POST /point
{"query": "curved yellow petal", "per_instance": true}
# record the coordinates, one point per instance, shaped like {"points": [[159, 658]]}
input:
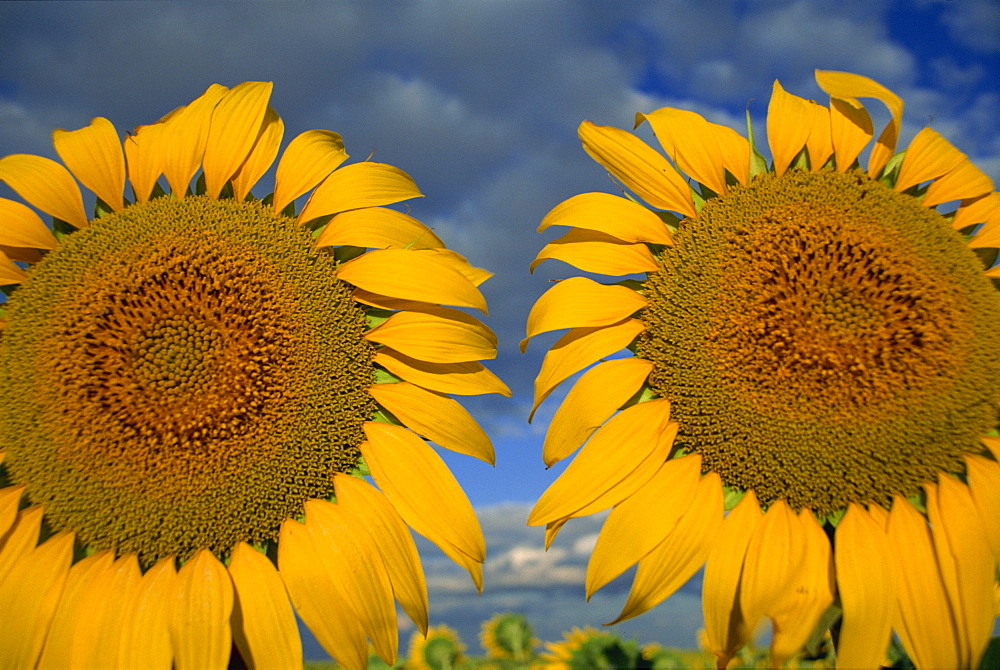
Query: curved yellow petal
{"points": [[441, 337], [928, 157], [789, 124], [199, 622], [961, 183], [866, 586], [262, 155], [23, 228], [307, 160], [410, 275], [184, 136], [75, 612], [387, 531], [926, 625], [848, 85], [46, 185], [422, 489], [236, 123], [356, 567], [145, 640], [581, 302], [610, 214], [145, 155], [598, 393], [577, 349], [436, 417], [796, 613], [638, 166], [700, 149], [469, 378], [672, 562], [94, 155], [359, 185], [963, 550], [377, 228], [264, 627], [10, 273], [109, 604], [984, 484], [820, 142], [317, 599], [850, 131], [20, 539], [592, 251], [10, 499], [632, 529], [30, 594], [620, 448], [978, 210], [456, 260]]}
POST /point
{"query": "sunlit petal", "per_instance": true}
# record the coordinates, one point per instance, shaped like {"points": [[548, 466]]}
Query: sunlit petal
{"points": [[306, 161], [437, 337], [46, 185], [262, 155], [850, 130], [984, 484], [23, 228], [199, 626], [94, 155], [592, 251], [469, 378], [236, 123], [144, 157], [184, 136], [145, 640], [609, 214], [359, 185], [789, 124], [377, 228], [928, 156], [963, 182]]}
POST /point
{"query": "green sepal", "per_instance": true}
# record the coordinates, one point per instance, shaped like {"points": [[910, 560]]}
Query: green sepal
{"points": [[345, 253], [670, 220], [801, 161], [227, 192], [757, 163], [199, 186], [633, 284], [360, 470], [376, 316], [991, 659], [61, 228], [699, 199], [731, 497], [102, 209], [644, 394], [890, 173], [382, 415], [383, 376], [833, 518], [819, 646], [158, 192]]}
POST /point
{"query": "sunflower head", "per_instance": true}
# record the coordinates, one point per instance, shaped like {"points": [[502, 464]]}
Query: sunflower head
{"points": [[587, 648], [814, 371], [440, 649], [508, 636], [198, 382]]}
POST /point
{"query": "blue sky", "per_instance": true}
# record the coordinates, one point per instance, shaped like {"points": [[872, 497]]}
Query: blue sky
{"points": [[479, 102]]}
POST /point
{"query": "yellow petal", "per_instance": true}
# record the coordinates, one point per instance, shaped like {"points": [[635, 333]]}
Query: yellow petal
{"points": [[443, 336], [108, 617], [850, 131], [386, 529], [926, 626], [700, 149], [796, 613], [10, 499], [964, 552], [46, 185], [620, 448], [609, 214], [867, 593], [581, 302], [469, 378], [422, 489], [963, 182], [978, 210], [820, 143], [307, 160], [410, 275], [632, 529], [235, 125], [10, 273], [436, 417], [847, 85], [20, 539], [23, 228], [356, 568], [579, 348], [638, 166], [75, 612], [184, 136], [94, 155], [262, 155], [377, 228], [993, 444], [456, 260], [592, 251], [928, 157], [359, 185], [598, 393], [984, 483], [30, 594], [789, 124], [203, 605], [145, 641], [264, 626], [317, 600], [145, 155], [668, 566]]}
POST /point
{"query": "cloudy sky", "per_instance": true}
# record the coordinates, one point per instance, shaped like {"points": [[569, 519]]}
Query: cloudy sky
{"points": [[479, 102]]}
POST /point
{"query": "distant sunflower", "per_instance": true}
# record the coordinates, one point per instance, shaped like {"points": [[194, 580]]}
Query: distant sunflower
{"points": [[508, 635], [815, 351], [191, 380], [439, 648]]}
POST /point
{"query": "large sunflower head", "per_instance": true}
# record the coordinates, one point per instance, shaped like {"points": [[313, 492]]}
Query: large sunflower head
{"points": [[810, 403], [197, 383]]}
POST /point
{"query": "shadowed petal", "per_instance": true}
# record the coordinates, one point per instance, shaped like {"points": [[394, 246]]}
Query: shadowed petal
{"points": [[145, 641], [183, 138], [789, 124], [469, 378], [262, 155], [377, 228], [592, 251], [236, 123], [94, 155], [23, 228], [145, 157]]}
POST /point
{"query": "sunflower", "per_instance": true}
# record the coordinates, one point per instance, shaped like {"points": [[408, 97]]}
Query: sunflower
{"points": [[196, 385], [810, 404], [439, 648], [588, 648], [508, 635]]}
